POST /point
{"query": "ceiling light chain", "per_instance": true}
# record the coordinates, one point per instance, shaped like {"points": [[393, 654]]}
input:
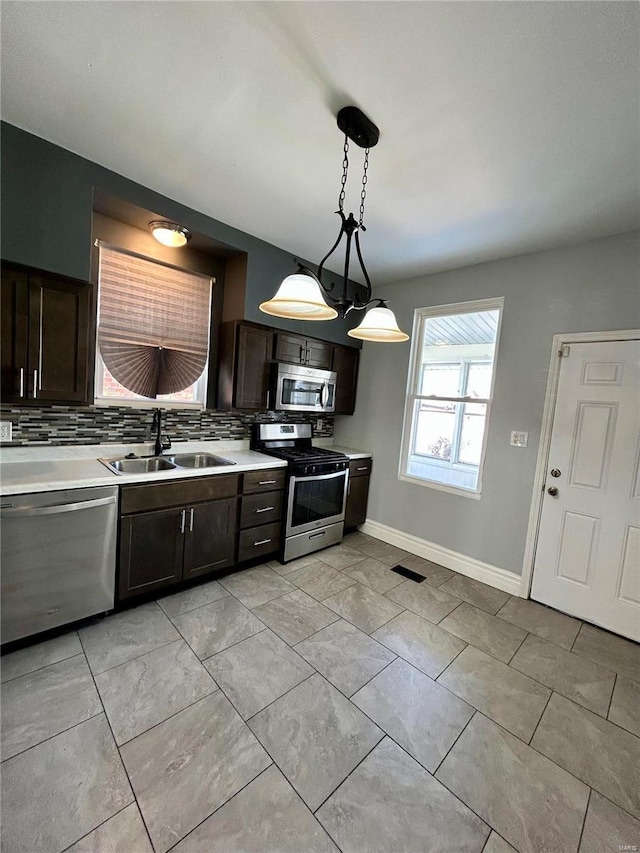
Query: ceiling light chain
{"points": [[363, 192], [345, 174], [304, 295]]}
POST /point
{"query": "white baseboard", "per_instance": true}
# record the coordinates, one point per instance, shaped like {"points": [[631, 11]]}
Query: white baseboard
{"points": [[492, 575]]}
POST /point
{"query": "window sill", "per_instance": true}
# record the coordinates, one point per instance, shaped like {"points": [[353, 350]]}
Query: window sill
{"points": [[441, 487]]}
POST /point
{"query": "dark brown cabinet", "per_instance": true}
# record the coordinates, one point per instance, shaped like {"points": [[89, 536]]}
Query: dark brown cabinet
{"points": [[357, 492], [244, 362], [294, 349], [260, 513], [209, 541], [175, 531], [245, 355], [345, 363], [45, 337], [151, 551]]}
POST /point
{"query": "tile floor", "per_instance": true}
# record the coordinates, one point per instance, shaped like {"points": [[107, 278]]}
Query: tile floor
{"points": [[325, 705]]}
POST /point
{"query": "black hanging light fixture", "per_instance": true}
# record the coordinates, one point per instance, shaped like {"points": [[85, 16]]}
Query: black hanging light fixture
{"points": [[304, 295]]}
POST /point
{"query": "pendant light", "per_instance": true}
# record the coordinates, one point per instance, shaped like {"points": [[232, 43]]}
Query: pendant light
{"points": [[299, 297], [379, 324], [304, 295]]}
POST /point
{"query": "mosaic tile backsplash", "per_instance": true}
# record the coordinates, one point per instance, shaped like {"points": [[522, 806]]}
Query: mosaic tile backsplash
{"points": [[60, 425]]}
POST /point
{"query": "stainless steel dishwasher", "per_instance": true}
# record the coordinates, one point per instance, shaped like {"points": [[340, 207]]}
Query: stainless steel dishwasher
{"points": [[58, 554]]}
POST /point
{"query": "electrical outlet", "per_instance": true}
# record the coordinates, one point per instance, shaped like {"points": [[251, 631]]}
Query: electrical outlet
{"points": [[5, 431], [519, 439], [319, 424]]}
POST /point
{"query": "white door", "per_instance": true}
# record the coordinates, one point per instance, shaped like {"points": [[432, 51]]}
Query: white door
{"points": [[588, 553]]}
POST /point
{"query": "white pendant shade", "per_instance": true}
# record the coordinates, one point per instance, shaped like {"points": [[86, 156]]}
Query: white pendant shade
{"points": [[379, 324], [299, 297]]}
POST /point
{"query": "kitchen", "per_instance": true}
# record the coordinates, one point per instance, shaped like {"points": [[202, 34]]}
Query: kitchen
{"points": [[318, 679]]}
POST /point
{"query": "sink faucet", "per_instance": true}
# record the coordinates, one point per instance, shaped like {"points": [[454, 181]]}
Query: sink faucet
{"points": [[162, 441]]}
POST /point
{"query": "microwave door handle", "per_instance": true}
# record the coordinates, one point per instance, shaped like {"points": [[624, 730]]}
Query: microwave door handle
{"points": [[323, 402]]}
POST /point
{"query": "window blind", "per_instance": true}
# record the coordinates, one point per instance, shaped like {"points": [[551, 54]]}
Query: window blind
{"points": [[153, 323]]}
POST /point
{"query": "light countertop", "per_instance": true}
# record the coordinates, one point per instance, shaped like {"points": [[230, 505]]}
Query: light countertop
{"points": [[351, 452], [54, 468], [51, 468]]}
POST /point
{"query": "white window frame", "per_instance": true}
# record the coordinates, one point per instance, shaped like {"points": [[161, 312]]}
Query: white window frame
{"points": [[420, 315]]}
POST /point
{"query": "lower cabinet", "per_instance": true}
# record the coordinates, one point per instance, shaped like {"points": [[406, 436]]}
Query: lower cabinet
{"points": [[181, 529], [357, 492], [261, 513], [175, 531], [209, 542], [151, 551]]}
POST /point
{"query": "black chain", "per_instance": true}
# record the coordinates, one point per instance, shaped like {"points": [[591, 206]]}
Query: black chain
{"points": [[363, 193], [345, 172]]}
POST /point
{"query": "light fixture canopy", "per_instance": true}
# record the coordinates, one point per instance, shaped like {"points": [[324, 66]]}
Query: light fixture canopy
{"points": [[302, 295], [170, 233]]}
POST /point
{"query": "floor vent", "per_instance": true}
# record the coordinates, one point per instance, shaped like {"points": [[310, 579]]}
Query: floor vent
{"points": [[407, 573]]}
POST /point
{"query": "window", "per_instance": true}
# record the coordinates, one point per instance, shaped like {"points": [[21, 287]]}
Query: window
{"points": [[449, 395], [153, 331]]}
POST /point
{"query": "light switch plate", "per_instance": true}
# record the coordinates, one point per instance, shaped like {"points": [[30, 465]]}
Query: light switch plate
{"points": [[519, 439], [5, 430]]}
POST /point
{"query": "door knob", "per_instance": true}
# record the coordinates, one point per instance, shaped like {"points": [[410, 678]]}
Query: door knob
{"points": [[552, 491]]}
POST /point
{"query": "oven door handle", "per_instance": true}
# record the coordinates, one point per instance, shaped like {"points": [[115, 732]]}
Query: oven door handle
{"points": [[298, 479]]}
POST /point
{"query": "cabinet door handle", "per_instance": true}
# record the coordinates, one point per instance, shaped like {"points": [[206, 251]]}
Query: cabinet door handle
{"points": [[183, 518], [349, 489], [268, 396], [191, 520], [35, 383], [266, 482], [265, 509], [364, 468], [262, 542], [22, 382]]}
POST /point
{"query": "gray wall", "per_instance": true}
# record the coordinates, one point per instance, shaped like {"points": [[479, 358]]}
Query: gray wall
{"points": [[591, 287], [47, 203]]}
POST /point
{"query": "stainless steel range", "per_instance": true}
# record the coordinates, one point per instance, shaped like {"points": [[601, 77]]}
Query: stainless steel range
{"points": [[317, 486]]}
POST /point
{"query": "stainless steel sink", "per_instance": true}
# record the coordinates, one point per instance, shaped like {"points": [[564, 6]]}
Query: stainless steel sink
{"points": [[149, 464], [143, 465], [198, 460]]}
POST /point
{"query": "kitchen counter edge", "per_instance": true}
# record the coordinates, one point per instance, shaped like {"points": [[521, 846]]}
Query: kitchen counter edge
{"points": [[19, 478]]}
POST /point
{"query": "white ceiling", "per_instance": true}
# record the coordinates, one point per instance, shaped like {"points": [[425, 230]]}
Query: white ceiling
{"points": [[506, 127]]}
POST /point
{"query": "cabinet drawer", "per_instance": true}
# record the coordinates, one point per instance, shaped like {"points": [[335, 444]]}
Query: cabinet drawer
{"points": [[263, 481], [177, 493], [360, 467], [261, 508], [259, 541]]}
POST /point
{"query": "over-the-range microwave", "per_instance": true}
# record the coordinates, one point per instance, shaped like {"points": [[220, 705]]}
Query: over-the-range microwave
{"points": [[295, 388]]}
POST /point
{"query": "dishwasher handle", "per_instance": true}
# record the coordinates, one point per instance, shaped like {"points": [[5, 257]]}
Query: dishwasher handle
{"points": [[56, 509]]}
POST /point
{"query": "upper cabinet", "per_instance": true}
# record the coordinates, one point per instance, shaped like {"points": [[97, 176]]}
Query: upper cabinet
{"points": [[294, 349], [46, 322], [345, 364], [247, 351], [244, 361]]}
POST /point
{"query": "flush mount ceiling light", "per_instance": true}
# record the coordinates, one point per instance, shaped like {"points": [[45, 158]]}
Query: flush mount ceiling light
{"points": [[304, 295], [169, 234]]}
